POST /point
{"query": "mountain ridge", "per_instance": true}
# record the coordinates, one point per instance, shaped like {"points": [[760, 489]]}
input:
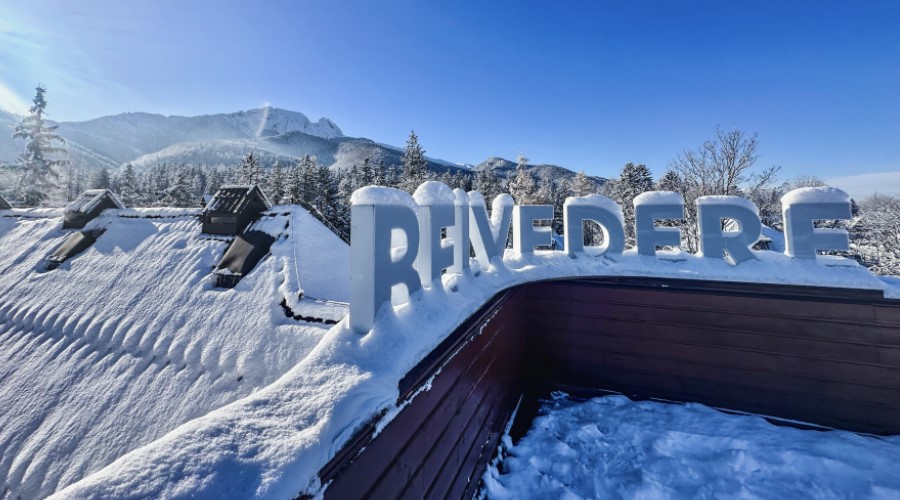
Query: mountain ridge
{"points": [[146, 139]]}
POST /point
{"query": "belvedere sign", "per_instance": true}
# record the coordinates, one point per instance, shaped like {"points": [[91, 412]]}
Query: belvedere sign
{"points": [[402, 243]]}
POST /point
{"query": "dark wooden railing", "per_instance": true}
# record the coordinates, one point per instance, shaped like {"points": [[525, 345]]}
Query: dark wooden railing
{"points": [[825, 356]]}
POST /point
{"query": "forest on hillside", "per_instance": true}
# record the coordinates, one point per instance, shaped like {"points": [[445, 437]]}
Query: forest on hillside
{"points": [[724, 165]]}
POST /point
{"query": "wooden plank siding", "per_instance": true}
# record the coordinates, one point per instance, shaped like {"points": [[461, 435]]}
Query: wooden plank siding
{"points": [[821, 355], [443, 435], [831, 359]]}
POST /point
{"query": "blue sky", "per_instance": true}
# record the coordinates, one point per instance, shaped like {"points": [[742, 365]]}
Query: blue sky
{"points": [[586, 85]]}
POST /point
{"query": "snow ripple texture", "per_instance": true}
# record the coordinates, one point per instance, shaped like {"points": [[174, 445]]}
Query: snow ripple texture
{"points": [[613, 447], [127, 341], [271, 444]]}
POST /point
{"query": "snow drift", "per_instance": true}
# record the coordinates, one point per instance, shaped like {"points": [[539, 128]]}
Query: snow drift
{"points": [[129, 339], [129, 375]]}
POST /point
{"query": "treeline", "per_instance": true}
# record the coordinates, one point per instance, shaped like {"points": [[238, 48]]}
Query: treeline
{"points": [[723, 165]]}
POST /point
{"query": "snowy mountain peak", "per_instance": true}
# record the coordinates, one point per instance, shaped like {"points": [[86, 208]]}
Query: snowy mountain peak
{"points": [[269, 121]]}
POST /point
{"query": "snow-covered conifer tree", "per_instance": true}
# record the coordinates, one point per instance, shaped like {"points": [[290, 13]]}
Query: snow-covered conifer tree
{"points": [[462, 181], [634, 179], [366, 173], [45, 152], [415, 166], [582, 185], [670, 181], [250, 170], [488, 183], [275, 187], [523, 187], [128, 186], [179, 193], [294, 183], [309, 179], [380, 173], [101, 179]]}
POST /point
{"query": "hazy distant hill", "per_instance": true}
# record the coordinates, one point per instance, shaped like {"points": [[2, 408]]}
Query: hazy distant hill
{"points": [[145, 140], [8, 148], [506, 168], [338, 152], [118, 139]]}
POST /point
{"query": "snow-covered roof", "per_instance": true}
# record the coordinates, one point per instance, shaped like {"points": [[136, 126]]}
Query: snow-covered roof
{"points": [[74, 244], [130, 339], [244, 253], [4, 205], [232, 199], [90, 199]]}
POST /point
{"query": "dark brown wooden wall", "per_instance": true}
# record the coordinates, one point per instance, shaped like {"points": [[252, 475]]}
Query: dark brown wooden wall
{"points": [[437, 445], [818, 355], [824, 356]]}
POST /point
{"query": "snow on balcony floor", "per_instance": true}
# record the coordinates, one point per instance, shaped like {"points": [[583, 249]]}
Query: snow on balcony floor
{"points": [[612, 447]]}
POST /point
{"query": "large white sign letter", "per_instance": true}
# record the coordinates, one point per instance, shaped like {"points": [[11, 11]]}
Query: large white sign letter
{"points": [[436, 215], [648, 208], [801, 207], [460, 232], [714, 242], [599, 209], [525, 235], [379, 261], [489, 235]]}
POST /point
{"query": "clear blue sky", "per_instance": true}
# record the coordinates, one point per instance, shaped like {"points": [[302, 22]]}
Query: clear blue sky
{"points": [[587, 85]]}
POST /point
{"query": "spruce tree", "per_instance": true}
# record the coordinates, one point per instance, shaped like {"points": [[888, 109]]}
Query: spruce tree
{"points": [[311, 180], [446, 178], [327, 192], [101, 179], [488, 183], [354, 178], [366, 173], [45, 152], [461, 181], [74, 180], [582, 185], [523, 187], [345, 190], [128, 189], [380, 174], [250, 170], [670, 181], [553, 190], [275, 187], [415, 170], [634, 180], [213, 181], [199, 181], [179, 192], [294, 183]]}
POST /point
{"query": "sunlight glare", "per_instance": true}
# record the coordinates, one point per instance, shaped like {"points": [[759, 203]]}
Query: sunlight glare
{"points": [[12, 102], [263, 118]]}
